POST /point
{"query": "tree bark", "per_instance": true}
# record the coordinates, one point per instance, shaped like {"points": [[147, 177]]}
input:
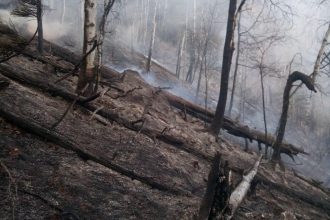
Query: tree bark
{"points": [[226, 64], [264, 108], [295, 76], [87, 73], [241, 190], [232, 127], [238, 53], [212, 181], [40, 27]]}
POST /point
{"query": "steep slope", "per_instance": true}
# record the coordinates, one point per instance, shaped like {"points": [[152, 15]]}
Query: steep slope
{"points": [[126, 155]]}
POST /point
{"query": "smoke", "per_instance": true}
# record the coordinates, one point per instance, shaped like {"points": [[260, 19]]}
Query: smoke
{"points": [[300, 26]]}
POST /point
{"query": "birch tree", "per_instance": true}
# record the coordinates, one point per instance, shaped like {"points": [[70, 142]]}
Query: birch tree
{"points": [[87, 73], [93, 39]]}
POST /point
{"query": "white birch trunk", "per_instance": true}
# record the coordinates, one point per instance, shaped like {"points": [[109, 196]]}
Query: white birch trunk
{"points": [[87, 73], [241, 190]]}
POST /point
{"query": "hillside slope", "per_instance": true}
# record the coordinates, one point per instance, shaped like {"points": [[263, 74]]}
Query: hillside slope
{"points": [[125, 155]]}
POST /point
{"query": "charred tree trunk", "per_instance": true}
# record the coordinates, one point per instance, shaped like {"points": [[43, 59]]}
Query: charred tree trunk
{"points": [[295, 76], [226, 64], [40, 28], [200, 76], [264, 108], [87, 73], [206, 205], [206, 83]]}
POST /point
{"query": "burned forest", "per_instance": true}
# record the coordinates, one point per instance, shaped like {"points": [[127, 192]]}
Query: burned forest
{"points": [[165, 109]]}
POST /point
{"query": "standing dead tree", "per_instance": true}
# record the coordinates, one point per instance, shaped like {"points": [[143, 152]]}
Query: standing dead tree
{"points": [[226, 65], [295, 76], [217, 192]]}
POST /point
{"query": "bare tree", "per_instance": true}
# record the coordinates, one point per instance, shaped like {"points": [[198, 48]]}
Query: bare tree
{"points": [[263, 45], [207, 33], [226, 65], [295, 76], [92, 40]]}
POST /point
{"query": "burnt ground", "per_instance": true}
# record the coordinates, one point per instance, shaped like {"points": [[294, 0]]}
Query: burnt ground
{"points": [[136, 157]]}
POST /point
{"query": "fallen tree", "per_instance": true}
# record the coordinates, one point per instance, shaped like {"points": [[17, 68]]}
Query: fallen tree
{"points": [[38, 79], [233, 127], [241, 190]]}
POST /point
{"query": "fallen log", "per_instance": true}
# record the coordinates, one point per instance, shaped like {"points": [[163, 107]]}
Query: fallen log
{"points": [[311, 182], [241, 190], [233, 128], [12, 112], [316, 200], [59, 65], [39, 80], [35, 80]]}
